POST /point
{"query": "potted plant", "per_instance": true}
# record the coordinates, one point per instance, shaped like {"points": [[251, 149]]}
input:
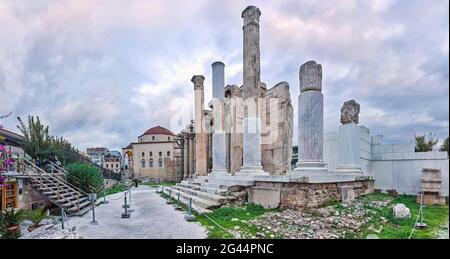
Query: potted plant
{"points": [[9, 224]]}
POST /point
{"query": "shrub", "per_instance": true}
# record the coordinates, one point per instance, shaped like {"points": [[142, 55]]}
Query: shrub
{"points": [[35, 216], [84, 176], [8, 220]]}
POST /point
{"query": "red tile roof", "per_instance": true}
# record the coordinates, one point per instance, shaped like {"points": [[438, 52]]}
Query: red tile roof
{"points": [[158, 130]]}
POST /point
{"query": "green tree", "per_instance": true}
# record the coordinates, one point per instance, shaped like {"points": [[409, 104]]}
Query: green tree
{"points": [[444, 146], [39, 144], [84, 176], [424, 143]]}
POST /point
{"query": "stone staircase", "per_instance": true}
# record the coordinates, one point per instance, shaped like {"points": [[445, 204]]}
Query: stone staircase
{"points": [[58, 191], [206, 193]]}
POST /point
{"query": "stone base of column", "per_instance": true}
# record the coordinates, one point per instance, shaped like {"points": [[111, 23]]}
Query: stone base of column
{"points": [[349, 169], [218, 172], [311, 166], [250, 171]]}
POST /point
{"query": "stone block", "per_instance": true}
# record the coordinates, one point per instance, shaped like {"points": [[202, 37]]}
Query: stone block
{"points": [[347, 193], [431, 199], [266, 197]]}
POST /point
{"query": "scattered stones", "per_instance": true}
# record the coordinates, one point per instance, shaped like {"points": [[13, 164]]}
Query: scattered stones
{"points": [[332, 222], [400, 211], [50, 232]]}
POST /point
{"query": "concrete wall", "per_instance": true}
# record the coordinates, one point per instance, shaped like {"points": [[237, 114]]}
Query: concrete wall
{"points": [[394, 166]]}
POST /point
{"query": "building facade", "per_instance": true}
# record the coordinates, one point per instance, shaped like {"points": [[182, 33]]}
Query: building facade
{"points": [[97, 155], [152, 157]]}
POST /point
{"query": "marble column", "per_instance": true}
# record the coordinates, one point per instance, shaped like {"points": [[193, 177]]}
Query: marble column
{"points": [[185, 157], [252, 63], [310, 119], [219, 145], [349, 139], [200, 134]]}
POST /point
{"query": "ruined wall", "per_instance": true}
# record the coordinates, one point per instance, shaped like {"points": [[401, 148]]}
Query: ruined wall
{"points": [[303, 195], [277, 132]]}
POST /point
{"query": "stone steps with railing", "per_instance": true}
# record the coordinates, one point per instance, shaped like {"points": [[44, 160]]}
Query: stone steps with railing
{"points": [[57, 190]]}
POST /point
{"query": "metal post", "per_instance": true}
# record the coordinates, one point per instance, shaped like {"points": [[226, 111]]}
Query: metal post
{"points": [[125, 206], [130, 210], [421, 225], [189, 216], [94, 222], [62, 218]]}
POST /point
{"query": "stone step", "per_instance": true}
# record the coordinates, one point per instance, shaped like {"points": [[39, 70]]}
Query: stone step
{"points": [[216, 191], [204, 195], [83, 205], [198, 204]]}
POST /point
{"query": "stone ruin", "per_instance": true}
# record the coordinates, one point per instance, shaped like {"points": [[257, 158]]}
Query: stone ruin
{"points": [[240, 149], [431, 188], [350, 112]]}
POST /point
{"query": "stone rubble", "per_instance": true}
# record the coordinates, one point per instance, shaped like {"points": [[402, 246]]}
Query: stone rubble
{"points": [[49, 232], [332, 222], [400, 211]]}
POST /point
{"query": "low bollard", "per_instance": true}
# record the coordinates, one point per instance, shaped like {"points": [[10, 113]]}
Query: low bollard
{"points": [[93, 198], [130, 210], [177, 205], [62, 218], [189, 216], [126, 214]]}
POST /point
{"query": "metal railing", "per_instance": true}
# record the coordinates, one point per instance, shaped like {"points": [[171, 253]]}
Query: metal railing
{"points": [[39, 173], [77, 180]]}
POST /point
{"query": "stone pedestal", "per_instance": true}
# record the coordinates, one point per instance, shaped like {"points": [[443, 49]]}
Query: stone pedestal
{"points": [[252, 148], [349, 149]]}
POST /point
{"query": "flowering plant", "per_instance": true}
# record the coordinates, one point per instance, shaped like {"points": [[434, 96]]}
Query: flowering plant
{"points": [[5, 161]]}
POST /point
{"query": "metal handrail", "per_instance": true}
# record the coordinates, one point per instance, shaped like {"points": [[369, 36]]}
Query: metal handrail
{"points": [[58, 192], [58, 180], [64, 171]]}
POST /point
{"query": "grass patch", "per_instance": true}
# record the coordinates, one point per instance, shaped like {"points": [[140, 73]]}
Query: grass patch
{"points": [[434, 217], [234, 219], [113, 190], [153, 184]]}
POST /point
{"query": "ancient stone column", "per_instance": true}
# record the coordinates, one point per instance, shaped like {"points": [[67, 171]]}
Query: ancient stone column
{"points": [[251, 77], [349, 139], [252, 63], [310, 119], [219, 165], [200, 135]]}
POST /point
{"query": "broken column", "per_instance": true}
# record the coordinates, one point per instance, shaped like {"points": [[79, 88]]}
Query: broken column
{"points": [[310, 119], [349, 139], [200, 134], [219, 165], [251, 79]]}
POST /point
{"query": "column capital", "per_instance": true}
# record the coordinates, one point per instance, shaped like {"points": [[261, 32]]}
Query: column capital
{"points": [[310, 76], [198, 81], [251, 14]]}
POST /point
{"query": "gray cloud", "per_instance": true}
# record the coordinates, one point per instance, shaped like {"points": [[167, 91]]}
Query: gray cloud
{"points": [[102, 72]]}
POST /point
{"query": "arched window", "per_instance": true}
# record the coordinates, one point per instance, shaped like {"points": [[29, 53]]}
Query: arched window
{"points": [[160, 162], [160, 153], [168, 153], [150, 163], [143, 163], [168, 138], [151, 153], [153, 137], [143, 154]]}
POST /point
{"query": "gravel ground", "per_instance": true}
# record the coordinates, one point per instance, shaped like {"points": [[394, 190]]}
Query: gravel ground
{"points": [[152, 218]]}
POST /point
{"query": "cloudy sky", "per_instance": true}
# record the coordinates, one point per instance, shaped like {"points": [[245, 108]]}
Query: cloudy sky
{"points": [[102, 72]]}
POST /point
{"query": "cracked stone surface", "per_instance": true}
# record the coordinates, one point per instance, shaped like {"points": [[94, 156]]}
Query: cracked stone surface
{"points": [[152, 218]]}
